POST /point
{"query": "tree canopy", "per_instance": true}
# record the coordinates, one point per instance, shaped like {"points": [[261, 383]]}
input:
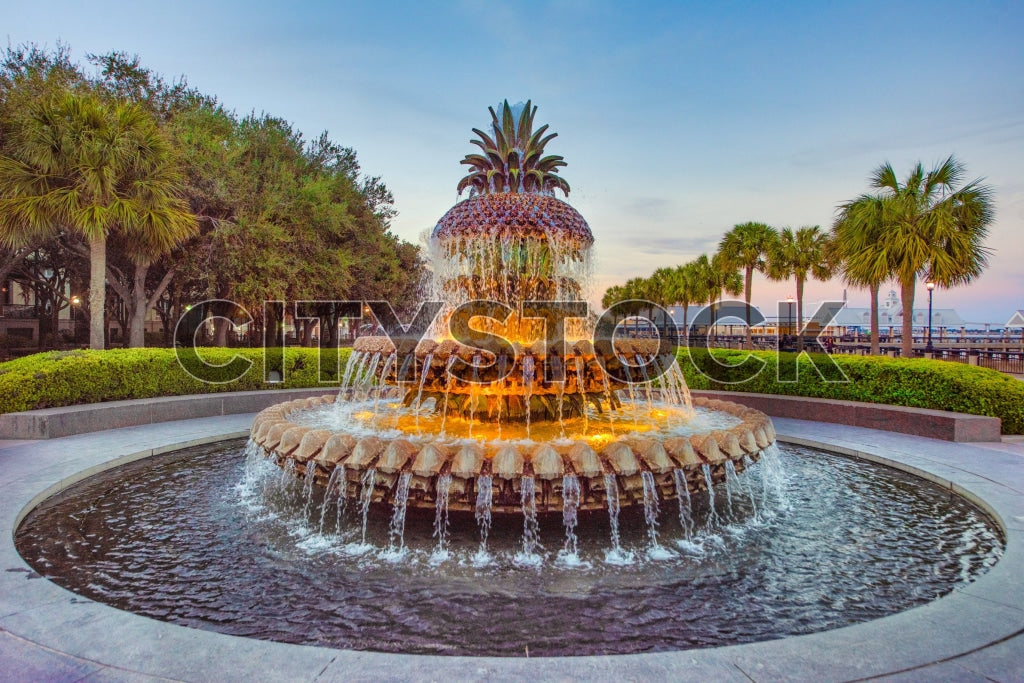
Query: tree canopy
{"points": [[276, 215]]}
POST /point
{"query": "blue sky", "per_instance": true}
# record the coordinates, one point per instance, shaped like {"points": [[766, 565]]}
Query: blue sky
{"points": [[678, 120]]}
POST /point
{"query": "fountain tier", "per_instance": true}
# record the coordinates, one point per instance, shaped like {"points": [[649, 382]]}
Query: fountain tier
{"points": [[344, 457]]}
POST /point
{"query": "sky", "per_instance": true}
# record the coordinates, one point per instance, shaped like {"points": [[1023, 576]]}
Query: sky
{"points": [[678, 120]]}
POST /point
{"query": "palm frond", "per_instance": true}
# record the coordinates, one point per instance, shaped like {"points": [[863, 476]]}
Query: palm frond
{"points": [[512, 158]]}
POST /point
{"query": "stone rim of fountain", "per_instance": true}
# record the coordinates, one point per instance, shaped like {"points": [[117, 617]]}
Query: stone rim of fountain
{"points": [[507, 463]]}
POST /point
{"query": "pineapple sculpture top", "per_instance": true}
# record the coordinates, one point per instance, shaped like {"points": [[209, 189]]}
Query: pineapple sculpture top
{"points": [[512, 240], [513, 156]]}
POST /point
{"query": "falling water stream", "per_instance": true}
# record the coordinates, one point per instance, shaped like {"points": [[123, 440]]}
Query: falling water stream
{"points": [[335, 483], [396, 533], [482, 510], [685, 504], [651, 507], [531, 527], [365, 497], [713, 519], [570, 514], [444, 484]]}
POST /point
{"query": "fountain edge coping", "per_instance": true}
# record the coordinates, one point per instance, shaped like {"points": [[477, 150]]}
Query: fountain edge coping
{"points": [[976, 629], [50, 423]]}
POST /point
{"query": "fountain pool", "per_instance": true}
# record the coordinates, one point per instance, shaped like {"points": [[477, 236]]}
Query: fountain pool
{"points": [[210, 538]]}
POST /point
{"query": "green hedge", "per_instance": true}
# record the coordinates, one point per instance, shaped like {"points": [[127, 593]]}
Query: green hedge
{"points": [[67, 378], [918, 383], [61, 378]]}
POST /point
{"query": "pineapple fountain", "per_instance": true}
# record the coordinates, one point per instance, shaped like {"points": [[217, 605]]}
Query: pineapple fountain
{"points": [[580, 430], [526, 426]]}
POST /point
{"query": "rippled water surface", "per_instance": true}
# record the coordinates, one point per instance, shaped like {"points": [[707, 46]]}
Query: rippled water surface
{"points": [[803, 542]]}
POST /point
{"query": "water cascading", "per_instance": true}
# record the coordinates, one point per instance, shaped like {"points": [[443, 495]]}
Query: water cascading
{"points": [[651, 507], [333, 491], [308, 479], [454, 423], [444, 483], [570, 513], [396, 532], [685, 504], [366, 497], [531, 527], [611, 488], [713, 519], [482, 511]]}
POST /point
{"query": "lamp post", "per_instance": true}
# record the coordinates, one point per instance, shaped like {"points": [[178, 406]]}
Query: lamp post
{"points": [[789, 327], [931, 290], [76, 302]]}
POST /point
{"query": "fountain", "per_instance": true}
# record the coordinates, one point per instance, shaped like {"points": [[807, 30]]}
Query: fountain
{"points": [[525, 401]]}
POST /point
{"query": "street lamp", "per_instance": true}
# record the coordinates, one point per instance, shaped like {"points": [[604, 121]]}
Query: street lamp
{"points": [[76, 302], [931, 290]]}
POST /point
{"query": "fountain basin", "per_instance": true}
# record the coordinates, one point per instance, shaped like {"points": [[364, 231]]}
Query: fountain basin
{"points": [[211, 539], [974, 629]]}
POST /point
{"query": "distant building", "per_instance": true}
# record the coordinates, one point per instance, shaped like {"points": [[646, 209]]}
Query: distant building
{"points": [[1016, 321], [890, 314]]}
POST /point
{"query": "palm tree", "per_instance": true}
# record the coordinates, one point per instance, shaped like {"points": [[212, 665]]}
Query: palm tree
{"points": [[684, 289], [713, 276], [612, 296], [724, 278], [513, 156], [637, 289], [81, 165], [661, 286], [931, 227], [859, 246], [805, 253], [746, 247]]}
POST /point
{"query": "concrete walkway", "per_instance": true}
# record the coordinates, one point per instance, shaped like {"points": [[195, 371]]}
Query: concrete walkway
{"points": [[47, 633]]}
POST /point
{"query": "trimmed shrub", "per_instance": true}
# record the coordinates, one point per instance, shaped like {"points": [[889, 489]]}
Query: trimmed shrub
{"points": [[61, 378], [917, 383]]}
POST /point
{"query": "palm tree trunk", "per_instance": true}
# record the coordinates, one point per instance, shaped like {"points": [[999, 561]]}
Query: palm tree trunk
{"points": [[876, 345], [907, 299], [137, 315], [686, 327], [749, 283], [799, 314], [97, 291]]}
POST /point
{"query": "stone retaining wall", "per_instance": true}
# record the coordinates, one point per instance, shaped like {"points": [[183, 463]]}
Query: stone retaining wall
{"points": [[51, 423], [934, 424]]}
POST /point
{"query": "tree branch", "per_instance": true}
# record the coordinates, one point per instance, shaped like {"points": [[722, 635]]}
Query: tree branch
{"points": [[116, 281], [159, 291]]}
